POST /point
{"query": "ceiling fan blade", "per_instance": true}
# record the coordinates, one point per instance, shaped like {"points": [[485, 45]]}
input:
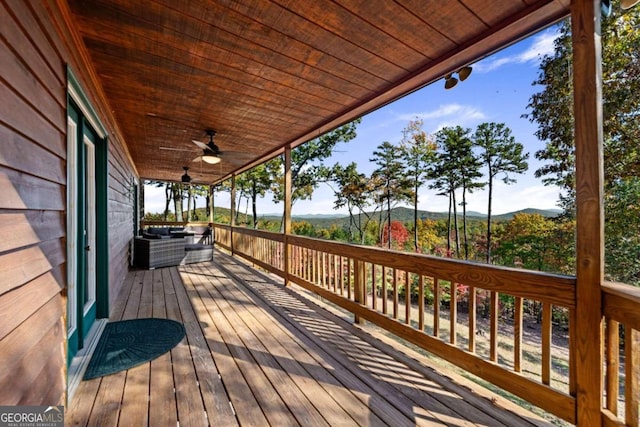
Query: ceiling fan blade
{"points": [[197, 159], [237, 154], [201, 144], [173, 149]]}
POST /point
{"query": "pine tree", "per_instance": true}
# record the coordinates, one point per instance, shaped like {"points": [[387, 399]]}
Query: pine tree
{"points": [[418, 150], [395, 187], [500, 154]]}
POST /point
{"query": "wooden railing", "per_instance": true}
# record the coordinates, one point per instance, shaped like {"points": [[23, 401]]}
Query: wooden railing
{"points": [[621, 309], [434, 303], [453, 309]]}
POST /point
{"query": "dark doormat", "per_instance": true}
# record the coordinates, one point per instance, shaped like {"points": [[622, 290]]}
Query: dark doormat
{"points": [[130, 343]]}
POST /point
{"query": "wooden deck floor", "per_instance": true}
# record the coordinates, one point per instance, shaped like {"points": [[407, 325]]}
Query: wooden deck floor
{"points": [[259, 354]]}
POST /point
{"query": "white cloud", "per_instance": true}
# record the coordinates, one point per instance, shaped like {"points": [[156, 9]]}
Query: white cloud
{"points": [[542, 45], [447, 115], [153, 199]]}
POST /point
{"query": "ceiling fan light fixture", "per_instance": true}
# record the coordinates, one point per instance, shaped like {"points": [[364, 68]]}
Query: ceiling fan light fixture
{"points": [[210, 158], [628, 4], [464, 73], [450, 81]]}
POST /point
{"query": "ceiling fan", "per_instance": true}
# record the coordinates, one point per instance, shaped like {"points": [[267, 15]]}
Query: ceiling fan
{"points": [[186, 179], [212, 154]]}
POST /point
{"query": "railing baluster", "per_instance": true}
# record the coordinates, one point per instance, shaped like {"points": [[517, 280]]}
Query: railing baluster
{"points": [[632, 375], [517, 334], [323, 268], [359, 290], [573, 383], [407, 298], [395, 293], [350, 277], [472, 319], [436, 307], [421, 302], [493, 338], [374, 286], [384, 289], [453, 313], [341, 278], [613, 364], [546, 343]]}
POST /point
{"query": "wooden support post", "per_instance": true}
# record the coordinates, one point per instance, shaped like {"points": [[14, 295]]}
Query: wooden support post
{"points": [[232, 211], [359, 286], [587, 87], [211, 208], [286, 217]]}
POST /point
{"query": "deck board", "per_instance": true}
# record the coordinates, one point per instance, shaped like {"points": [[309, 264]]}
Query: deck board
{"points": [[256, 353]]}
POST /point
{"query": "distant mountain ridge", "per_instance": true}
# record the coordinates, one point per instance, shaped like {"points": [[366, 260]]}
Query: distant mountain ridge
{"points": [[404, 214]]}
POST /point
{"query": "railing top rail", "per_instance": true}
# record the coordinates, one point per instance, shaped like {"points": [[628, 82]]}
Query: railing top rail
{"points": [[541, 286], [145, 222], [621, 302], [279, 237]]}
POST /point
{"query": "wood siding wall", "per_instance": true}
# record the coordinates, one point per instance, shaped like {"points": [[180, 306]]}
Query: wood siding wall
{"points": [[36, 44]]}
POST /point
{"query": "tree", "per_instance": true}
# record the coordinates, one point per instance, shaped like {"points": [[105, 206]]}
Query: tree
{"points": [[354, 191], [307, 171], [418, 150], [526, 241], [455, 167], [396, 234], [552, 110], [428, 238], [176, 192], [395, 187], [501, 154], [622, 248], [254, 183], [468, 166]]}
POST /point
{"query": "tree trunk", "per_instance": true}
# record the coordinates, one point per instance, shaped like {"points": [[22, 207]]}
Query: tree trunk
{"points": [[254, 207], [449, 228], [455, 223], [464, 222], [177, 202], [207, 207], [168, 195], [189, 196], [381, 225], [489, 218], [415, 215], [389, 221]]}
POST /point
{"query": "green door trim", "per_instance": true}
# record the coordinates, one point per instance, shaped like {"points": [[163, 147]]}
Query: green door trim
{"points": [[102, 228], [80, 110]]}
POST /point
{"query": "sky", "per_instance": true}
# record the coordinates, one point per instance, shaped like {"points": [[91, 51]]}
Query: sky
{"points": [[498, 90]]}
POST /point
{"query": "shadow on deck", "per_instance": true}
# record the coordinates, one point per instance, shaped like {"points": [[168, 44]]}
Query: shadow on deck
{"points": [[257, 353]]}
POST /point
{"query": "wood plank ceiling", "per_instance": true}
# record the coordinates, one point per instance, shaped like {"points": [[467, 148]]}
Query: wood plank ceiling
{"points": [[264, 74]]}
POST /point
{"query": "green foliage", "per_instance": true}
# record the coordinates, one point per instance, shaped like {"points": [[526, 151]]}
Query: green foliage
{"points": [[500, 154], [307, 170], [353, 190], [252, 184], [534, 242], [455, 167], [552, 110], [622, 228], [391, 181], [418, 149]]}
